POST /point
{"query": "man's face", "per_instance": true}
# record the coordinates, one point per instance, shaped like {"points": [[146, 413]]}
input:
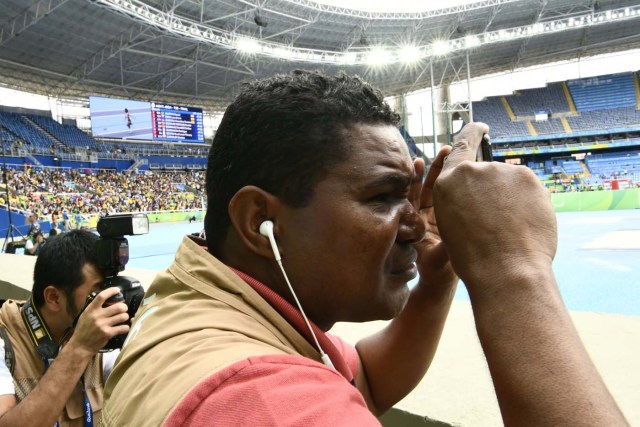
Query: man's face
{"points": [[349, 252], [92, 280]]}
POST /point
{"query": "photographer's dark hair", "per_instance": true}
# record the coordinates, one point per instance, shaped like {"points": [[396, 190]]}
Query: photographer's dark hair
{"points": [[60, 263], [283, 134]]}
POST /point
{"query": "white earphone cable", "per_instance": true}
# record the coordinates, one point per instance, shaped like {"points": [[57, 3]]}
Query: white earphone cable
{"points": [[324, 356]]}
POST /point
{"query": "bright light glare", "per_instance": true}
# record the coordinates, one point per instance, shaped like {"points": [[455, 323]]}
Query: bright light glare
{"points": [[471, 41], [410, 54], [440, 47], [284, 53], [248, 45], [349, 58], [378, 57]]}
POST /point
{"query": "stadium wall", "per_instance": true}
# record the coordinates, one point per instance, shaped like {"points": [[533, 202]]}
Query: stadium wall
{"points": [[154, 217]]}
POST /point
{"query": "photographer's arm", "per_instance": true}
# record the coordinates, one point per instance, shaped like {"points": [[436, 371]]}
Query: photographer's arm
{"points": [[45, 403], [500, 231]]}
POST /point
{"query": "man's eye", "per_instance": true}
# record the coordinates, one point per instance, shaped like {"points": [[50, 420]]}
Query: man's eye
{"points": [[380, 198]]}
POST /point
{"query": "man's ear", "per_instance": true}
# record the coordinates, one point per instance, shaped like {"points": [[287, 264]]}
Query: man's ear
{"points": [[249, 208], [54, 299]]}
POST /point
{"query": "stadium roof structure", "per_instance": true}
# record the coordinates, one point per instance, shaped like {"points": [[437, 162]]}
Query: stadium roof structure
{"points": [[197, 52]]}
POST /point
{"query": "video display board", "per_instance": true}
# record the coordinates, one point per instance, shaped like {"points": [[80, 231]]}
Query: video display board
{"points": [[152, 121], [176, 123]]}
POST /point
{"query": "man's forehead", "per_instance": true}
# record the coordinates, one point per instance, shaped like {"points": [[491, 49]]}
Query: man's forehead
{"points": [[384, 140], [393, 168]]}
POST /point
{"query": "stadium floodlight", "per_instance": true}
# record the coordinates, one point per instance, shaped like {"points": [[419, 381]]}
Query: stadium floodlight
{"points": [[247, 45], [409, 54], [440, 47], [379, 56]]}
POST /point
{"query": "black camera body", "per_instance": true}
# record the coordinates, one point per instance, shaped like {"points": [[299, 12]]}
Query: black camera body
{"points": [[112, 256]]}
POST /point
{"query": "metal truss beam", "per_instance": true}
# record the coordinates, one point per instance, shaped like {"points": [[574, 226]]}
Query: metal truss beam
{"points": [[186, 27], [36, 82], [126, 39], [175, 73], [262, 7], [398, 15], [525, 42], [184, 59], [27, 18]]}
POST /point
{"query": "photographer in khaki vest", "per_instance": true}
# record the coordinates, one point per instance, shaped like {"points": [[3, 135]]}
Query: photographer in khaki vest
{"points": [[51, 371]]}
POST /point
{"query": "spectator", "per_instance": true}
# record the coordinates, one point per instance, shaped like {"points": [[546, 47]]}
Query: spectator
{"points": [[66, 221], [78, 219], [35, 225]]}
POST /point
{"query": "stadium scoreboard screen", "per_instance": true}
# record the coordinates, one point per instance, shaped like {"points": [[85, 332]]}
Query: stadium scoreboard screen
{"points": [[149, 121], [176, 123]]}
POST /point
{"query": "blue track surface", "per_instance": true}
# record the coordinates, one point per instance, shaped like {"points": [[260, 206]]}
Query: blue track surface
{"points": [[598, 280]]}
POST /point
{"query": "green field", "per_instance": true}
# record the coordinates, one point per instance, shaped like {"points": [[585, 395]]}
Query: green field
{"points": [[596, 200]]}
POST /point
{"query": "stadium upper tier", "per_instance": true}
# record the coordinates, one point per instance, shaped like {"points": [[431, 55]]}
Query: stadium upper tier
{"points": [[67, 134], [550, 98], [40, 140], [583, 105], [561, 117]]}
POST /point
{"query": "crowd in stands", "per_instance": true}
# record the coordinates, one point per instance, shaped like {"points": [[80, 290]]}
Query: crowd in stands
{"points": [[50, 191]]}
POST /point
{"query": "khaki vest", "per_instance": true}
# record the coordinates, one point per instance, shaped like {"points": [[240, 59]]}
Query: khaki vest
{"points": [[29, 368], [197, 318]]}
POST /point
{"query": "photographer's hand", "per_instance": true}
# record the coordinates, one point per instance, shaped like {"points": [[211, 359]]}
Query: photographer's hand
{"points": [[97, 324]]}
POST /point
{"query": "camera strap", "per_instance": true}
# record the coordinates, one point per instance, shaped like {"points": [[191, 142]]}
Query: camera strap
{"points": [[47, 349], [38, 331]]}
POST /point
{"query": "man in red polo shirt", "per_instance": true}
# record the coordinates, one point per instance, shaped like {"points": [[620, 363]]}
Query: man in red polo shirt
{"points": [[317, 214]]}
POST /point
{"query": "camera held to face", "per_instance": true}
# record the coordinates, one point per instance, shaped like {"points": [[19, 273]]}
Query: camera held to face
{"points": [[112, 256]]}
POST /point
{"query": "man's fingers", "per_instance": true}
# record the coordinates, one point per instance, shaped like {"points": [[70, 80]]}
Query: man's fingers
{"points": [[418, 165], [465, 145], [416, 185], [117, 319], [103, 296], [119, 330], [426, 199], [114, 309]]}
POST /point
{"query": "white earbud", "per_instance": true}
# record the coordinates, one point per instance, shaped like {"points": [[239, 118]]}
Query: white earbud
{"points": [[266, 229]]}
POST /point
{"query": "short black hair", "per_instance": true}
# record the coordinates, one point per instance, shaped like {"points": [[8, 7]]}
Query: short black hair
{"points": [[60, 263], [283, 134]]}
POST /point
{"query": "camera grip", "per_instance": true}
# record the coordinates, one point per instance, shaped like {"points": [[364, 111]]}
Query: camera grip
{"points": [[114, 300], [485, 152]]}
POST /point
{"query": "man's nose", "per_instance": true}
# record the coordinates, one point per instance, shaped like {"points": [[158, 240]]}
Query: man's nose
{"points": [[412, 227]]}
